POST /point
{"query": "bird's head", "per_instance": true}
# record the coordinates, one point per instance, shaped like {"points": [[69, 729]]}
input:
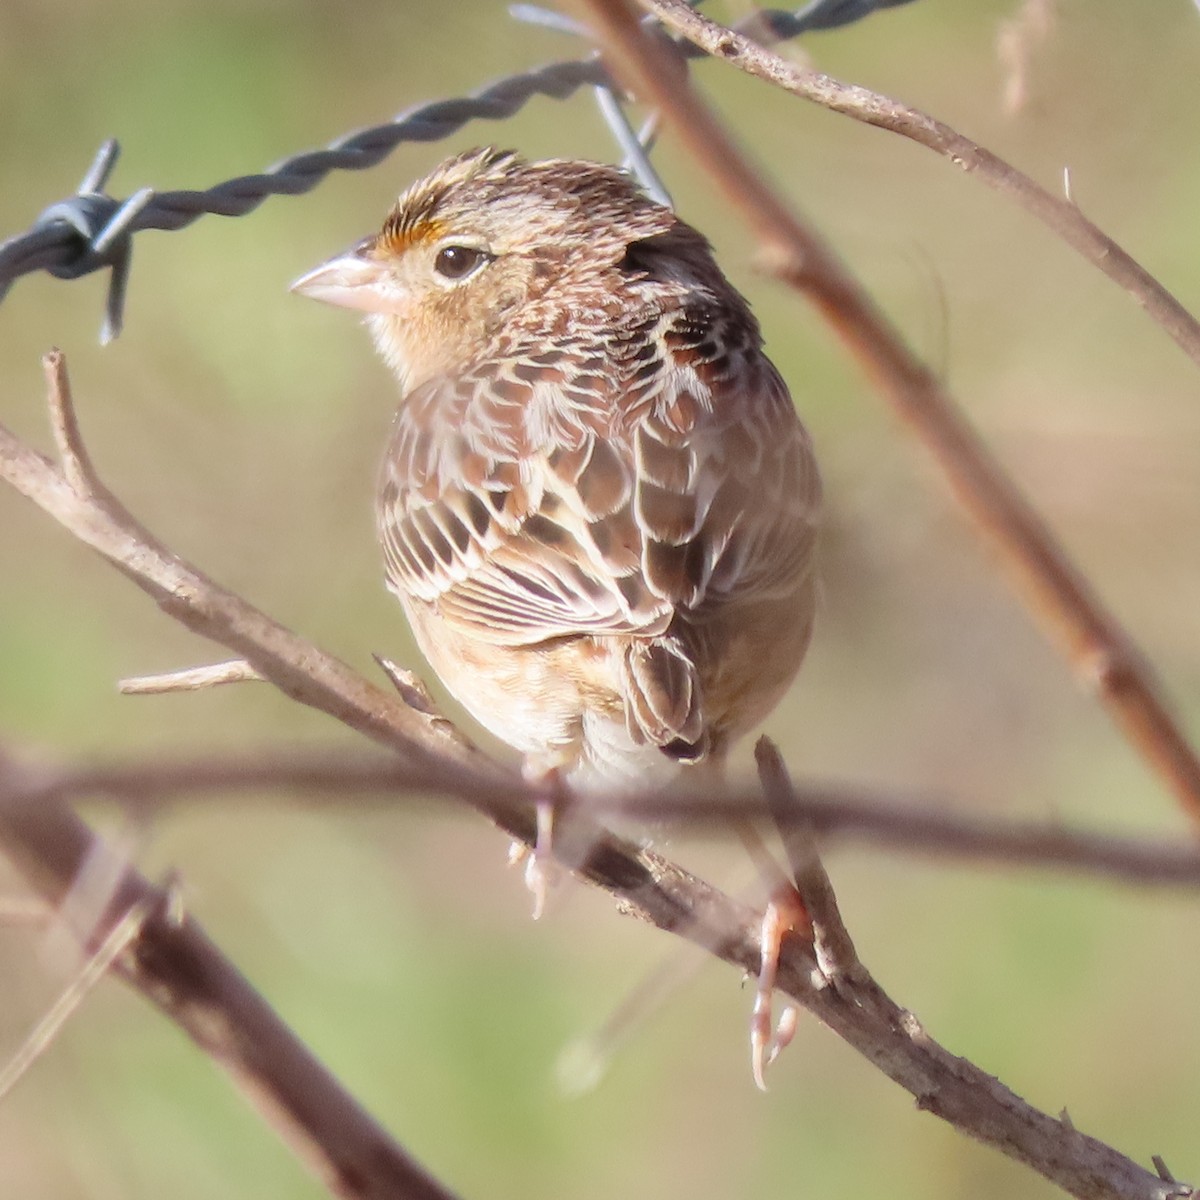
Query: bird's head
{"points": [[489, 243]]}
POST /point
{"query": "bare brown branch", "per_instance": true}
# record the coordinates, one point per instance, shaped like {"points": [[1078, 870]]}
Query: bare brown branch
{"points": [[941, 1083], [353, 778], [956, 1095], [292, 664], [171, 962], [1098, 647], [1059, 214], [76, 463]]}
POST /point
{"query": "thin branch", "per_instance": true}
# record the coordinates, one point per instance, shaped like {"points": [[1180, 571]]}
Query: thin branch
{"points": [[46, 838], [172, 963], [832, 945], [1093, 640], [1060, 215], [962, 1095], [189, 679], [185, 593], [343, 777], [76, 463]]}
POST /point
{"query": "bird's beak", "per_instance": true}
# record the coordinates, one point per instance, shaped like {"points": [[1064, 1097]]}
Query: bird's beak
{"points": [[351, 280]]}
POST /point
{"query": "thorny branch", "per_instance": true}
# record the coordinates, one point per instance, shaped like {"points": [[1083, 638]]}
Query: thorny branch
{"points": [[1101, 651], [50, 844]]}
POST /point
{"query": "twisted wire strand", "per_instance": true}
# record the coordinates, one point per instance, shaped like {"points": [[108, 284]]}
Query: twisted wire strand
{"points": [[92, 230]]}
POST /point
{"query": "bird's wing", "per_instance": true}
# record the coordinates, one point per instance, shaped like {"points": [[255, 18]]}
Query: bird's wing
{"points": [[512, 542], [727, 491], [521, 515]]}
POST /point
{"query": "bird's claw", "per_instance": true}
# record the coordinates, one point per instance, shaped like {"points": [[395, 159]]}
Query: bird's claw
{"points": [[784, 913], [542, 873]]}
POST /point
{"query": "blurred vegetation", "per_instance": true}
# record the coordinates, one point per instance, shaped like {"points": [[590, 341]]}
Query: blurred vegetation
{"points": [[243, 425]]}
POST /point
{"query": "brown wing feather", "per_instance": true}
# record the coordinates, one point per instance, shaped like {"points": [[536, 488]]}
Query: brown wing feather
{"points": [[514, 546], [727, 505], [533, 507]]}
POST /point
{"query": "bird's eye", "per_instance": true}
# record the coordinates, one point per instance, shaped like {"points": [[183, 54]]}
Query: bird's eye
{"points": [[457, 262]]}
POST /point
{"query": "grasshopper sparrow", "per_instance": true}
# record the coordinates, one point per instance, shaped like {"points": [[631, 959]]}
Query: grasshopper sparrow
{"points": [[598, 506]]}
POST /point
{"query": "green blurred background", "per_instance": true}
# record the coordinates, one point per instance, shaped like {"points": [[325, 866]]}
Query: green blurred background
{"points": [[243, 425]]}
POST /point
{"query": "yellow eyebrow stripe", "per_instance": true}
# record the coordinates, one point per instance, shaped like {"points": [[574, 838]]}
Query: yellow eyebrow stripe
{"points": [[401, 235]]}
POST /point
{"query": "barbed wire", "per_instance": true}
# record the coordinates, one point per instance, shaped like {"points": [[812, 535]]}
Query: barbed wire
{"points": [[91, 230]]}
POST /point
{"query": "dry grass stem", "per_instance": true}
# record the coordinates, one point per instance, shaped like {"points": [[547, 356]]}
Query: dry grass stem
{"points": [[94, 969]]}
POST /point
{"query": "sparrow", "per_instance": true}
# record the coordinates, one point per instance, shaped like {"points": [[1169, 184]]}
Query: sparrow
{"points": [[597, 506]]}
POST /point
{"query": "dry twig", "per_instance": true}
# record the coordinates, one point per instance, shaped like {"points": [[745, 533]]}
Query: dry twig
{"points": [[189, 679], [798, 256], [343, 777], [861, 104], [173, 964]]}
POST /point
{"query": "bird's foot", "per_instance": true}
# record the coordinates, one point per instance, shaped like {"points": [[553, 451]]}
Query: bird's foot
{"points": [[542, 872], [785, 913]]}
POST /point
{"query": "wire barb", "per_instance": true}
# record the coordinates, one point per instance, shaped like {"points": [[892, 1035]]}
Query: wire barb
{"points": [[634, 145], [636, 151], [98, 229], [547, 18]]}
